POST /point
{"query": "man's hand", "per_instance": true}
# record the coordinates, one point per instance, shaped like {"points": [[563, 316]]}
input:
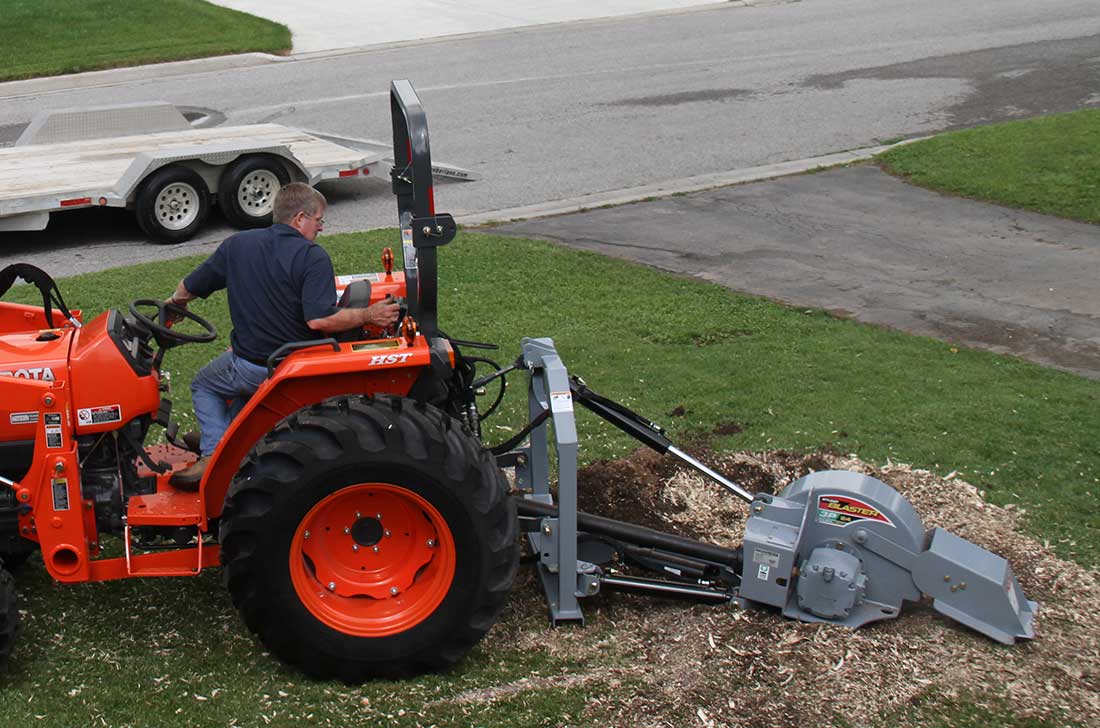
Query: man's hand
{"points": [[170, 317], [382, 314]]}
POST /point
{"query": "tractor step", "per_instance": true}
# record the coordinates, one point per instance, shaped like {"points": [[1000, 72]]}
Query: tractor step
{"points": [[166, 508]]}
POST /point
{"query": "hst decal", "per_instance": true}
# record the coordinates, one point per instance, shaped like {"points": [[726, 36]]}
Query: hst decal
{"points": [[383, 359]]}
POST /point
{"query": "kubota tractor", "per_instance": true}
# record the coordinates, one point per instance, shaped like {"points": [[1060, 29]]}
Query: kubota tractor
{"points": [[362, 527]]}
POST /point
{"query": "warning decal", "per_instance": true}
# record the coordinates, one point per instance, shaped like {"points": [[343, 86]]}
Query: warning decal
{"points": [[23, 418], [561, 402], [53, 437], [61, 494], [841, 510], [99, 415]]}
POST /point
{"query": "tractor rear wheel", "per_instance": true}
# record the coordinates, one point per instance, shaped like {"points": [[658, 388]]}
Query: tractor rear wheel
{"points": [[369, 538], [9, 615]]}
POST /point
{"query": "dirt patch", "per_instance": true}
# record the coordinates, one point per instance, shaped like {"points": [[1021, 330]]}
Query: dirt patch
{"points": [[708, 666]]}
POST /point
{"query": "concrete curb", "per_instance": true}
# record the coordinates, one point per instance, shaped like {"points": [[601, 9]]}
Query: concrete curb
{"points": [[672, 187], [116, 76]]}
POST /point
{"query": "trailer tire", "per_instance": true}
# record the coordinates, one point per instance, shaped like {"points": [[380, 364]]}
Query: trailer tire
{"points": [[172, 204], [369, 537], [246, 192], [9, 615]]}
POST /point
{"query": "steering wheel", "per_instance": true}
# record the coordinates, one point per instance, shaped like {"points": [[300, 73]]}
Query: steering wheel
{"points": [[167, 313]]}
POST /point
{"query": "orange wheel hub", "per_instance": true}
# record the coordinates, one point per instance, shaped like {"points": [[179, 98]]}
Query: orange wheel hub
{"points": [[372, 560]]}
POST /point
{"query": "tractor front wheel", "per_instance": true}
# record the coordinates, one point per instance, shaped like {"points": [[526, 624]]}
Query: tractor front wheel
{"points": [[369, 538]]}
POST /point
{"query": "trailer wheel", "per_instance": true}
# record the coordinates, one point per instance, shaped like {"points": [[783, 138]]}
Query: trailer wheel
{"points": [[173, 204], [369, 538], [9, 615], [246, 193]]}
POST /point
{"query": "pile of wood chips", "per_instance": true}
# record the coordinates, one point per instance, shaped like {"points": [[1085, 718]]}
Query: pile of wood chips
{"points": [[717, 666]]}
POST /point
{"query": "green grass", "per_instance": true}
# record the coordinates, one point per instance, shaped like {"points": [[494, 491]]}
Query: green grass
{"points": [[1046, 164], [173, 651], [51, 37], [792, 378]]}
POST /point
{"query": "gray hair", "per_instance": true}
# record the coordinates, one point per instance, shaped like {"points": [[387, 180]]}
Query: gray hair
{"points": [[294, 198]]}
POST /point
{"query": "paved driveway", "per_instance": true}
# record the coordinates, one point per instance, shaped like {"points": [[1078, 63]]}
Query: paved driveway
{"points": [[863, 244]]}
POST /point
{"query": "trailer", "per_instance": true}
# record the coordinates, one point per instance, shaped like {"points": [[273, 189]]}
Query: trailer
{"points": [[149, 159]]}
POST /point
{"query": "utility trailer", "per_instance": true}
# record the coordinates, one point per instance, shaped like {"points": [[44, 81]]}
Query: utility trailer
{"points": [[149, 159]]}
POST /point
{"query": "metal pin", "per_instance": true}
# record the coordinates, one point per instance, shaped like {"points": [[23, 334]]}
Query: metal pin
{"points": [[305, 535], [393, 590], [355, 547], [431, 543], [346, 531], [374, 549], [378, 516], [332, 586], [388, 534]]}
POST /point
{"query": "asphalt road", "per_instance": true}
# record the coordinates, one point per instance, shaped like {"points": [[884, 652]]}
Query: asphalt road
{"points": [[551, 113]]}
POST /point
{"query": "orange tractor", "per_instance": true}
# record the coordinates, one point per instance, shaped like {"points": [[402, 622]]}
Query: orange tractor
{"points": [[362, 526]]}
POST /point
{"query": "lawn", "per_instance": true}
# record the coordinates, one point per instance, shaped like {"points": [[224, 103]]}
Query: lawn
{"points": [[771, 377], [159, 652], [51, 37], [1046, 164]]}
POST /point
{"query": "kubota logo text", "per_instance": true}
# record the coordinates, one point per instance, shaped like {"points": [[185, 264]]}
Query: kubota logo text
{"points": [[378, 359], [43, 373]]}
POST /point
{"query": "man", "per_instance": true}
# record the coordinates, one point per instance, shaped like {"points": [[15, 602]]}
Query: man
{"points": [[281, 288]]}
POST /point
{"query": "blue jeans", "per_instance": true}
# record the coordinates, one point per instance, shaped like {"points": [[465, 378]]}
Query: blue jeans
{"points": [[219, 391]]}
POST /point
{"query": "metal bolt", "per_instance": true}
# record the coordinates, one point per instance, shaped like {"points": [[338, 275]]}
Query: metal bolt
{"points": [[332, 586], [374, 549], [954, 588], [355, 547], [346, 530], [378, 516], [305, 535], [758, 508], [546, 529], [358, 515], [947, 577], [427, 230], [393, 590], [388, 534], [962, 584], [431, 543]]}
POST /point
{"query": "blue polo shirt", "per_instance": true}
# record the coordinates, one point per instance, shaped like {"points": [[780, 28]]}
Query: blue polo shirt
{"points": [[276, 279]]}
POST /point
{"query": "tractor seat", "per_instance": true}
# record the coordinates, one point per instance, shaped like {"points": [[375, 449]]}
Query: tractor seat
{"points": [[356, 295]]}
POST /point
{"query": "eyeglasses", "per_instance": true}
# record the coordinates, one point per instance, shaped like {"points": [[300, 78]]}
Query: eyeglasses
{"points": [[319, 220]]}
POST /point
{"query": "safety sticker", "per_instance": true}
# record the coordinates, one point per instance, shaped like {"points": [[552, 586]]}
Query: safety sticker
{"points": [[842, 510], [763, 571], [561, 402], [61, 494], [23, 418], [770, 558], [53, 436], [53, 418], [99, 415], [408, 249], [351, 278]]}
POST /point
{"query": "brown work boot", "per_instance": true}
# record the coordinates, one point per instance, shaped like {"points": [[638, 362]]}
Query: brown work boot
{"points": [[189, 478]]}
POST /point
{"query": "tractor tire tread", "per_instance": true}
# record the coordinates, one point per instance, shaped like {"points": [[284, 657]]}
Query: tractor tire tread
{"points": [[356, 430]]}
